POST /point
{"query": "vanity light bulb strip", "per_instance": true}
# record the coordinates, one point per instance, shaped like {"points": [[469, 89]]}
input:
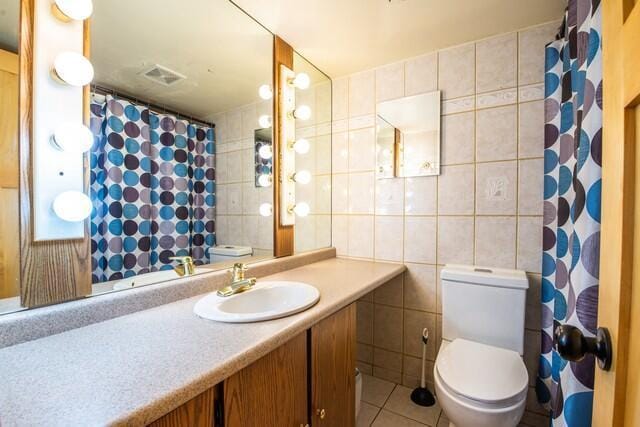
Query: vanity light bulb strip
{"points": [[72, 10], [73, 69]]}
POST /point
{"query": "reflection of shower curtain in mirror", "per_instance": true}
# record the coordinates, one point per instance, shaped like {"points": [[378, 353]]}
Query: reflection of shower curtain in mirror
{"points": [[153, 190]]}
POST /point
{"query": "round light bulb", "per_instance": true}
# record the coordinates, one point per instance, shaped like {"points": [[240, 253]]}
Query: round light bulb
{"points": [[265, 152], [301, 209], [72, 206], [73, 69], [265, 92], [264, 180], [264, 121], [302, 81], [302, 112], [301, 146], [73, 10], [73, 138], [266, 209], [302, 177]]}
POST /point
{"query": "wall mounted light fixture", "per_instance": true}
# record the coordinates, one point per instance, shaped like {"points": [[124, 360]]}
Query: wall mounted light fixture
{"points": [[264, 121], [265, 92], [72, 68], [301, 146], [301, 177], [72, 138], [300, 81], [301, 209], [303, 112], [72, 206], [72, 10], [266, 209]]}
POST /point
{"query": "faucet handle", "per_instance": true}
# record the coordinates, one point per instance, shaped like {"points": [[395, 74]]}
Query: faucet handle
{"points": [[182, 259], [239, 269]]}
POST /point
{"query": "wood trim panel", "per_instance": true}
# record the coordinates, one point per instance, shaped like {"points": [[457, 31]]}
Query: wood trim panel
{"points": [[333, 364], [282, 235], [198, 412], [53, 271], [9, 62], [272, 391]]}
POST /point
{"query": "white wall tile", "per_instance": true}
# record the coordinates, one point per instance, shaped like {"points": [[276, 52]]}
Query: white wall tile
{"points": [[305, 235], [420, 287], [390, 82], [421, 74], [361, 193], [455, 240], [249, 120], [455, 190], [362, 150], [531, 52], [323, 102], [456, 71], [322, 190], [340, 98], [420, 239], [496, 61], [340, 194], [340, 152], [388, 238], [362, 94], [531, 133], [497, 99], [234, 166], [234, 199], [323, 231], [530, 244], [496, 241], [530, 187], [323, 155], [458, 105], [361, 236], [458, 138], [234, 125], [421, 195], [496, 187], [340, 233], [496, 134], [389, 196]]}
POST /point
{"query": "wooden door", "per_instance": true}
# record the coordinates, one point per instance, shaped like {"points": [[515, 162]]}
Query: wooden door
{"points": [[333, 364], [271, 392], [617, 392], [9, 177]]}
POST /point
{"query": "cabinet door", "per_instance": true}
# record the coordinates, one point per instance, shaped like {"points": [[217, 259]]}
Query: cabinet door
{"points": [[271, 392], [198, 412], [333, 364]]}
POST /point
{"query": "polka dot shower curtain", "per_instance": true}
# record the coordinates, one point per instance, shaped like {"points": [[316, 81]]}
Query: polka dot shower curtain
{"points": [[572, 185], [153, 190]]}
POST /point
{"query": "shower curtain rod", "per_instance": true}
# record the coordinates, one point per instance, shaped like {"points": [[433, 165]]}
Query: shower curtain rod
{"points": [[101, 90]]}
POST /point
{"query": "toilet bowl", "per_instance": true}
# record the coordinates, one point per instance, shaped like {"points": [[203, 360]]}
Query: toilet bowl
{"points": [[479, 385]]}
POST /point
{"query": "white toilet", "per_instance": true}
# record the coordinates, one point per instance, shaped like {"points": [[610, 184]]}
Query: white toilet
{"points": [[226, 253], [480, 377]]}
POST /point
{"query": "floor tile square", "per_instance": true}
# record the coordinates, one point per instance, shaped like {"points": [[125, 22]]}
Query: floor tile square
{"points": [[375, 391], [367, 414], [400, 403], [389, 419]]}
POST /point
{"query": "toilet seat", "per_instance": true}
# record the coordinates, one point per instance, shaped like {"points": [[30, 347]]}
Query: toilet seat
{"points": [[482, 375]]}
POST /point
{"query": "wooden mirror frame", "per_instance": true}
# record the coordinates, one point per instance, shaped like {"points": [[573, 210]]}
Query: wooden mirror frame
{"points": [[58, 271]]}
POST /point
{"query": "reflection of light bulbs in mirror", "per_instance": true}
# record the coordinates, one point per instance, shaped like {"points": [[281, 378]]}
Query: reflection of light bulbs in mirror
{"points": [[73, 138], [265, 92], [265, 152], [264, 121], [301, 81], [301, 146], [72, 10], [72, 206], [301, 177], [264, 180], [302, 112], [301, 209], [266, 209], [73, 69]]}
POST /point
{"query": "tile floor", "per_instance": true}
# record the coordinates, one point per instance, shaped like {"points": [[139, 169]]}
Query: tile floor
{"points": [[386, 404]]}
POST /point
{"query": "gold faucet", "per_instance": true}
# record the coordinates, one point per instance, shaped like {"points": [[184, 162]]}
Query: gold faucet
{"points": [[185, 267], [238, 282]]}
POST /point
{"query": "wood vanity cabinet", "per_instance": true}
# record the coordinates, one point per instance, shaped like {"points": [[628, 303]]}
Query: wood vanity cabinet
{"points": [[308, 381]]}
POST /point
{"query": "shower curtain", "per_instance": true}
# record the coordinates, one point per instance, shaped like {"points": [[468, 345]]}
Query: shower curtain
{"points": [[571, 230], [153, 190]]}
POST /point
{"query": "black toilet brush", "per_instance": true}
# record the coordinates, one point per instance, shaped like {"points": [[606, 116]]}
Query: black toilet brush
{"points": [[421, 395]]}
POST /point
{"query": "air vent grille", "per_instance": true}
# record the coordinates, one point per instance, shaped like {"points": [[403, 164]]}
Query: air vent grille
{"points": [[163, 75]]}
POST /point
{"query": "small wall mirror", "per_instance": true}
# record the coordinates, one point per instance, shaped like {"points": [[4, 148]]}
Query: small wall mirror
{"points": [[408, 136]]}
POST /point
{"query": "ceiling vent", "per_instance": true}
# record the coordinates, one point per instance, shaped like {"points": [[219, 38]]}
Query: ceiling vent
{"points": [[163, 75]]}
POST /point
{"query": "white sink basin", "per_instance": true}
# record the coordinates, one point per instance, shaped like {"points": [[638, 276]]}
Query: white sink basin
{"points": [[265, 301]]}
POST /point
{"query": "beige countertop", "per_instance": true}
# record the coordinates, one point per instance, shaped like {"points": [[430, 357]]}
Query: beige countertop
{"points": [[133, 369]]}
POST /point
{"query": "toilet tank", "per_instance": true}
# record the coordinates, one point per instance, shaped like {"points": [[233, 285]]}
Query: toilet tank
{"points": [[485, 305]]}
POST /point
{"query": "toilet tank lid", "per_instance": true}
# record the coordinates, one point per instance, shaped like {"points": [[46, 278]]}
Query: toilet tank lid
{"points": [[499, 277], [231, 250]]}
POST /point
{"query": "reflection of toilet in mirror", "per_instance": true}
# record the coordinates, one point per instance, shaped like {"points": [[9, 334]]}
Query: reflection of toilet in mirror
{"points": [[229, 253], [480, 377]]}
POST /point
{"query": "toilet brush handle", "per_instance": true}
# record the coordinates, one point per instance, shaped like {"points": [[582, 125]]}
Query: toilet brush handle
{"points": [[425, 338]]}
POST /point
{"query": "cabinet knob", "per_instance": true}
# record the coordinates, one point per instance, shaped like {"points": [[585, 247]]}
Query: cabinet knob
{"points": [[321, 413]]}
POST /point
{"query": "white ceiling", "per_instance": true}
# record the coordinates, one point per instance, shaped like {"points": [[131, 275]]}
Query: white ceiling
{"points": [[344, 36], [224, 53]]}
